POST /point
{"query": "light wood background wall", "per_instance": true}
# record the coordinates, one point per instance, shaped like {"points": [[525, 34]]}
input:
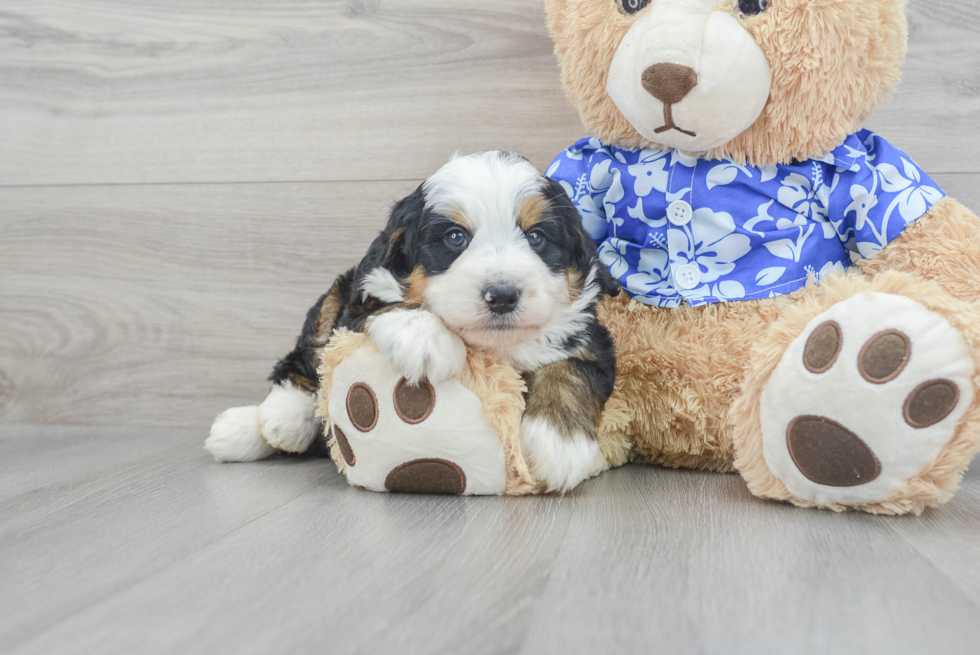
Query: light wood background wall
{"points": [[180, 179]]}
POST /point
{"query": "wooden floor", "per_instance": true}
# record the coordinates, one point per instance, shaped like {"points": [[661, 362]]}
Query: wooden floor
{"points": [[179, 179]]}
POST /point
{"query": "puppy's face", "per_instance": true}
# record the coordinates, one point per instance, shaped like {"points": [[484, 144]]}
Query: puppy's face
{"points": [[495, 249]]}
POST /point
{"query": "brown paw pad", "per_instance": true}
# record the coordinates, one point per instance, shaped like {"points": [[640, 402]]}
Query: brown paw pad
{"points": [[823, 347], [362, 407], [426, 476], [884, 356], [829, 454], [931, 402], [414, 403], [344, 446]]}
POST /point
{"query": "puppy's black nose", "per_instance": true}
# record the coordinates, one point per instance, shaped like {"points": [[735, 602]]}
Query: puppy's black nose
{"points": [[501, 298]]}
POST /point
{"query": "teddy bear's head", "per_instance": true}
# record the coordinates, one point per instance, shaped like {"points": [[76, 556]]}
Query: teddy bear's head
{"points": [[760, 81]]}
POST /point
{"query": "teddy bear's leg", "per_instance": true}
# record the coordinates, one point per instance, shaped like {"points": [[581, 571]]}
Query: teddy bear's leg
{"points": [[678, 372], [862, 395]]}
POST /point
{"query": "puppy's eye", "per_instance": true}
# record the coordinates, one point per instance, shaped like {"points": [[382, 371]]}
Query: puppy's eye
{"points": [[753, 7], [535, 238], [633, 6], [456, 238]]}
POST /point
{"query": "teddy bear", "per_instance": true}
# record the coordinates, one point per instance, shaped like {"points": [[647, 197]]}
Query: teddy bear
{"points": [[801, 298]]}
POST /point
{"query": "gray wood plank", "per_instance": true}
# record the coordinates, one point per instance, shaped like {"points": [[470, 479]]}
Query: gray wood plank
{"points": [[91, 538], [950, 539], [111, 91], [44, 462], [199, 557], [162, 305], [691, 562], [334, 570]]}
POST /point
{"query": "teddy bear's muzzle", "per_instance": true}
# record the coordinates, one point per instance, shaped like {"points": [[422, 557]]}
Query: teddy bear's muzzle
{"points": [[689, 76]]}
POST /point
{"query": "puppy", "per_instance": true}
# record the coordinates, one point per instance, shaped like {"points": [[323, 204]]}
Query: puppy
{"points": [[487, 252]]}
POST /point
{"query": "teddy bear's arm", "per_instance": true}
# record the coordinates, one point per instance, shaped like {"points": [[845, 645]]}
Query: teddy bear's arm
{"points": [[943, 246]]}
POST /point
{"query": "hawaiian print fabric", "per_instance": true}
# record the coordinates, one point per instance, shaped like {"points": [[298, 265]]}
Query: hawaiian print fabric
{"points": [[742, 232]]}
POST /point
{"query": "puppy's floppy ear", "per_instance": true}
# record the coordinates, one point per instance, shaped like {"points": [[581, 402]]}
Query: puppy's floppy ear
{"points": [[392, 249], [610, 285], [584, 254]]}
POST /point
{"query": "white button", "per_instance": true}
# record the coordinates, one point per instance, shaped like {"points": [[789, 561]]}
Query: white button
{"points": [[679, 213], [687, 277]]}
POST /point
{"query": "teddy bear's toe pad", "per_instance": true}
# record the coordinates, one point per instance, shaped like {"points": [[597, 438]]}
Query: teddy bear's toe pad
{"points": [[399, 437], [864, 400], [828, 453], [427, 476]]}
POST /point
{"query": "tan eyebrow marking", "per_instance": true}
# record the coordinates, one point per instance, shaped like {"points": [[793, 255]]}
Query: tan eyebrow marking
{"points": [[460, 219], [531, 212]]}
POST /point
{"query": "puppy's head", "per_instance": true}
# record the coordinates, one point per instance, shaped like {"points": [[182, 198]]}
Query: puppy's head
{"points": [[494, 248]]}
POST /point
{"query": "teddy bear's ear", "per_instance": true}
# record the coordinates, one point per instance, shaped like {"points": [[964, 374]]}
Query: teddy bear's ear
{"points": [[555, 9]]}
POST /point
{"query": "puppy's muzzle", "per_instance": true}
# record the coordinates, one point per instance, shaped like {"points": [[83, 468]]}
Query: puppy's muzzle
{"points": [[501, 298]]}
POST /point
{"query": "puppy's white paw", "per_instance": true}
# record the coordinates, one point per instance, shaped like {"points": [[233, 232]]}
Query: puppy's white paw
{"points": [[288, 418], [418, 344], [560, 462], [236, 436]]}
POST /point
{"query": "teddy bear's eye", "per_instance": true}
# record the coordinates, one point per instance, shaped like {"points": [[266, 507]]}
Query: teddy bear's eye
{"points": [[633, 6], [752, 7]]}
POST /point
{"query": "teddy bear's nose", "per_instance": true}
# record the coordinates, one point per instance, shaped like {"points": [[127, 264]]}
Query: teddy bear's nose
{"points": [[669, 83]]}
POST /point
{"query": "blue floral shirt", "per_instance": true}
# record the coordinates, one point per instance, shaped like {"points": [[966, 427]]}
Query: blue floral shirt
{"points": [[674, 228]]}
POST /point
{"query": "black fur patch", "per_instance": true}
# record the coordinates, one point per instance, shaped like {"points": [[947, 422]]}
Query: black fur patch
{"points": [[567, 246]]}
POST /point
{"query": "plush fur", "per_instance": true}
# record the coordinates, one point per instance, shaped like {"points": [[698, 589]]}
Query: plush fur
{"points": [[690, 380]]}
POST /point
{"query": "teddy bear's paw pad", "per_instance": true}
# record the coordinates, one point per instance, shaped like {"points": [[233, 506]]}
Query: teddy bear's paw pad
{"points": [[362, 407], [828, 453], [426, 476], [823, 347], [864, 399], [345, 450], [414, 403], [428, 437], [932, 402]]}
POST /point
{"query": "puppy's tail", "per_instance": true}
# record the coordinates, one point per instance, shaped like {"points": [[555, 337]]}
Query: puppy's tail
{"points": [[236, 436]]}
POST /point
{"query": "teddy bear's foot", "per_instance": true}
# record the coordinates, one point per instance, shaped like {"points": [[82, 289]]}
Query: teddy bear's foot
{"points": [[391, 435], [865, 400]]}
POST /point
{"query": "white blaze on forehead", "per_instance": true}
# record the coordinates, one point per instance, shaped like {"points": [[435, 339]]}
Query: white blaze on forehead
{"points": [[486, 189]]}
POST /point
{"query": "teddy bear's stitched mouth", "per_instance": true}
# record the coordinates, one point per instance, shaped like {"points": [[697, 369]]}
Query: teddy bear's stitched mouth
{"points": [[669, 122]]}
